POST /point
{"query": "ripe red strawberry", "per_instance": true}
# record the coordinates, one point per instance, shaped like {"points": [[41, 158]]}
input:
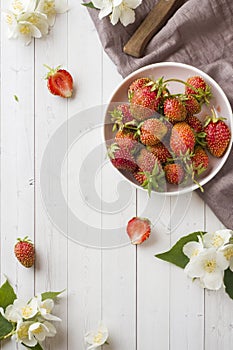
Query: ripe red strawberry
{"points": [[24, 252], [126, 139], [195, 123], [218, 135], [60, 82], [146, 160], [140, 176], [160, 151], [182, 139], [174, 110], [137, 84], [174, 173], [147, 98], [200, 160], [192, 105], [152, 131], [138, 230], [196, 83], [126, 113], [197, 86], [122, 158]]}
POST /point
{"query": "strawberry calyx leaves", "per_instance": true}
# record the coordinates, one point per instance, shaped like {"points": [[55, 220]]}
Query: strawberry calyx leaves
{"points": [[159, 85], [25, 239], [51, 71], [154, 180], [112, 149], [200, 138], [214, 118]]}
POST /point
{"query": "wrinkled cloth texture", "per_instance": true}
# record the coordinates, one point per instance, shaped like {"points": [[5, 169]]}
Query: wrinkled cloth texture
{"points": [[200, 33]]}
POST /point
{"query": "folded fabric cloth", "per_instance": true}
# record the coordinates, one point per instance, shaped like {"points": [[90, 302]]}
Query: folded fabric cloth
{"points": [[200, 33]]}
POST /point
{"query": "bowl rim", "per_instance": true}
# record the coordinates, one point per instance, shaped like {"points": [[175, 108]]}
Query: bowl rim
{"points": [[198, 71]]}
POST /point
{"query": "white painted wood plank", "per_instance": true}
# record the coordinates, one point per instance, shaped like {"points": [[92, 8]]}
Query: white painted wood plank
{"points": [[17, 160], [118, 264], [186, 297], [153, 275], [51, 112], [84, 264], [218, 306]]}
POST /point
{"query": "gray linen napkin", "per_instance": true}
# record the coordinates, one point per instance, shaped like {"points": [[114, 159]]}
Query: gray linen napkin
{"points": [[200, 33]]}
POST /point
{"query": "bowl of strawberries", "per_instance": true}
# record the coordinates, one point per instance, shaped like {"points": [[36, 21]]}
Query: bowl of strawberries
{"points": [[168, 128]]}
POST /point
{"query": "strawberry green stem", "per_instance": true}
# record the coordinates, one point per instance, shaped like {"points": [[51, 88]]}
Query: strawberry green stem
{"points": [[52, 71], [182, 82]]}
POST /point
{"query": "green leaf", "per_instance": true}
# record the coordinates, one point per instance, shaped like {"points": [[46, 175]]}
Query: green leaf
{"points": [[6, 327], [175, 255], [228, 282], [36, 347], [89, 4], [7, 295], [16, 98], [50, 295]]}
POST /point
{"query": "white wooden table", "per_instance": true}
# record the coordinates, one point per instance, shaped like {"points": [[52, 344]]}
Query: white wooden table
{"points": [[146, 303]]}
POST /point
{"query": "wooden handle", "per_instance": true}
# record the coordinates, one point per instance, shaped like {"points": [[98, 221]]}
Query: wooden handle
{"points": [[153, 22]]}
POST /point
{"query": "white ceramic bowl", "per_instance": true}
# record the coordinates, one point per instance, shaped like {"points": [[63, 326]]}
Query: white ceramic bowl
{"points": [[181, 71]]}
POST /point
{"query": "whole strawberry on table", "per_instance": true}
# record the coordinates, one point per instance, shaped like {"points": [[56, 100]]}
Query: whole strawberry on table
{"points": [[158, 137], [25, 252]]}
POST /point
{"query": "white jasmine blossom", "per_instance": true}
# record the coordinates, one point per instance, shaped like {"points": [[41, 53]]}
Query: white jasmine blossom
{"points": [[193, 249], [37, 19], [21, 310], [124, 12], [96, 338], [29, 19], [45, 307], [105, 6], [228, 253], [217, 239], [38, 331], [52, 7], [209, 266], [22, 333], [118, 10]]}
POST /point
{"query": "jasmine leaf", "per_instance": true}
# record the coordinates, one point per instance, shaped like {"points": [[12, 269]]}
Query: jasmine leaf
{"points": [[6, 327], [50, 295], [175, 255], [228, 282], [7, 295], [16, 98], [89, 4], [36, 347]]}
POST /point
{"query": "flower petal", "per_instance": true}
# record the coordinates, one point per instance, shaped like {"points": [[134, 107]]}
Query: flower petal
{"points": [[115, 16], [117, 3], [194, 268], [105, 11], [127, 16], [222, 262], [133, 4], [98, 4], [231, 265], [30, 342], [51, 329], [192, 249], [213, 280]]}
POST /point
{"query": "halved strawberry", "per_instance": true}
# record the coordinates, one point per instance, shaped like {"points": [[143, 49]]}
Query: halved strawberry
{"points": [[138, 230], [60, 82]]}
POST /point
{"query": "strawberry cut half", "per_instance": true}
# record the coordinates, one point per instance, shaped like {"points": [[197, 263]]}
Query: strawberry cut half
{"points": [[138, 230], [60, 82]]}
